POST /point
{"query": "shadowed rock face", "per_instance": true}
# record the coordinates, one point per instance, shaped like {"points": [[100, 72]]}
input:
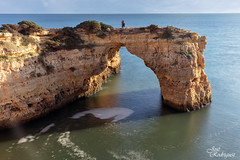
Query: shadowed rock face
{"points": [[36, 84]]}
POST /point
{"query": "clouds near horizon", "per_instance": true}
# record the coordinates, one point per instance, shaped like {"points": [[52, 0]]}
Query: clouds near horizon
{"points": [[120, 6]]}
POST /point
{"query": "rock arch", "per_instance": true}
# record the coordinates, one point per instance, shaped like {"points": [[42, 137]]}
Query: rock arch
{"points": [[177, 63], [42, 82]]}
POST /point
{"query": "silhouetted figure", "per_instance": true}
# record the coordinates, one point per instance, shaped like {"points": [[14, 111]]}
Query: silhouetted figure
{"points": [[123, 23]]}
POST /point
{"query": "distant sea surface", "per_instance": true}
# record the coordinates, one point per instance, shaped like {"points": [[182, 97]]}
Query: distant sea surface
{"points": [[126, 119]]}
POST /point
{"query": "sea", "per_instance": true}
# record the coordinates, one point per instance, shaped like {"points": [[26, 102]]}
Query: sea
{"points": [[126, 120]]}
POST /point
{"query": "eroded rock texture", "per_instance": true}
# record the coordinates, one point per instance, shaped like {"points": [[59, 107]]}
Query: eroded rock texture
{"points": [[37, 83]]}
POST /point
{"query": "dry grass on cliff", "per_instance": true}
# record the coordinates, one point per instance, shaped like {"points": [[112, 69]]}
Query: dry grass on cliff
{"points": [[187, 53], [17, 58], [14, 49], [20, 40], [8, 46], [26, 40]]}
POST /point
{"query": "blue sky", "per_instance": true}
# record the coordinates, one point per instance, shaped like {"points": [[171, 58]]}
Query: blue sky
{"points": [[120, 6]]}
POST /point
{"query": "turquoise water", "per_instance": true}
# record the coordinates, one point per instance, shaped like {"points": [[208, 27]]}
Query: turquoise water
{"points": [[145, 129]]}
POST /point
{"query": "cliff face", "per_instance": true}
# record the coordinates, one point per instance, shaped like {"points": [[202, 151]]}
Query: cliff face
{"points": [[37, 83]]}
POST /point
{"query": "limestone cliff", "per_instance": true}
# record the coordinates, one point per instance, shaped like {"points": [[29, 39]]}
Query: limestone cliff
{"points": [[42, 76]]}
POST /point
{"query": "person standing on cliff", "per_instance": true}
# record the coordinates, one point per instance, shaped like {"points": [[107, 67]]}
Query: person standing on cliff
{"points": [[123, 23]]}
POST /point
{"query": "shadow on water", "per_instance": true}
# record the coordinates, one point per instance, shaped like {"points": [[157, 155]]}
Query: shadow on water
{"points": [[62, 121]]}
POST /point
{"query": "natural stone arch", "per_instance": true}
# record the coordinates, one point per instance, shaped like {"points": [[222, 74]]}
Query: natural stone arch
{"points": [[183, 82], [179, 67], [42, 82]]}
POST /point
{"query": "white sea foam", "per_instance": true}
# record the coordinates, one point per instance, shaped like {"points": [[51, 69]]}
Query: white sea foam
{"points": [[28, 138], [130, 155], [45, 129], [31, 138], [105, 113], [65, 141]]}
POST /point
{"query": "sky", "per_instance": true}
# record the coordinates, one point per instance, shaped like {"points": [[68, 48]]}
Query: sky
{"points": [[119, 6]]}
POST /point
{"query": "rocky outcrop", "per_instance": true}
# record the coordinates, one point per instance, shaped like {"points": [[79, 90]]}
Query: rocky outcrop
{"points": [[40, 82]]}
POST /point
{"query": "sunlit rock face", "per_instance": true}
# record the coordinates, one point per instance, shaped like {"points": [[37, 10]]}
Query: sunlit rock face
{"points": [[38, 83]]}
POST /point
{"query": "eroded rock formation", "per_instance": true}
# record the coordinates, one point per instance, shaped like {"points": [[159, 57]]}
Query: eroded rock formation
{"points": [[33, 82]]}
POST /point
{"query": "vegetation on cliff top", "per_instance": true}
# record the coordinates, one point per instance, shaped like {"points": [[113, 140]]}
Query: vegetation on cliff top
{"points": [[12, 28], [29, 27], [153, 28], [90, 26], [23, 27], [166, 34], [95, 27], [106, 27], [68, 38]]}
